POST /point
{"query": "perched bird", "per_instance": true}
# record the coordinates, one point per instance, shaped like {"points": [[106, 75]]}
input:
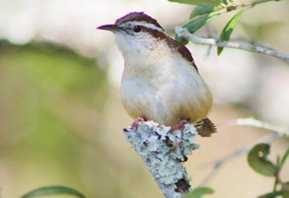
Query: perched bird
{"points": [[160, 81]]}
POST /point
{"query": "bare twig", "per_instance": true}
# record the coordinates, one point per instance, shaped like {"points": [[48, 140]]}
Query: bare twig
{"points": [[262, 49], [235, 6], [251, 121]]}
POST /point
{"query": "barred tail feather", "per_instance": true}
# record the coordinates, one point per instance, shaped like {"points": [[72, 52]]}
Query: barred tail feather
{"points": [[205, 127]]}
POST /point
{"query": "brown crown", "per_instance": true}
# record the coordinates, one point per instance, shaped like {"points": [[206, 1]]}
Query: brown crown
{"points": [[138, 16]]}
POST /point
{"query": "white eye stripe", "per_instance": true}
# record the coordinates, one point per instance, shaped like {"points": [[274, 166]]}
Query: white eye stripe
{"points": [[145, 24]]}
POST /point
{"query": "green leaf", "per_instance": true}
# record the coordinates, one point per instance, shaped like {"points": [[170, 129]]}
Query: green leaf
{"points": [[284, 158], [199, 2], [257, 159], [272, 194], [53, 190], [196, 24], [201, 10], [199, 22], [228, 29], [199, 192]]}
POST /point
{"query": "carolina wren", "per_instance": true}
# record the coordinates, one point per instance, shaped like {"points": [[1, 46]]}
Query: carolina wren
{"points": [[160, 81]]}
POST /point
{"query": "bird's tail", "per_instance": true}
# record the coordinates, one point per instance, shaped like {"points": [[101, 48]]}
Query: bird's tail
{"points": [[205, 127]]}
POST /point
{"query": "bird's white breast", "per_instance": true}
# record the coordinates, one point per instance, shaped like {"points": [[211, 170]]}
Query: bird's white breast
{"points": [[160, 85]]}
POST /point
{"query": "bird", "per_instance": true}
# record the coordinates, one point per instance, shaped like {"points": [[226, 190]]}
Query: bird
{"points": [[160, 80]]}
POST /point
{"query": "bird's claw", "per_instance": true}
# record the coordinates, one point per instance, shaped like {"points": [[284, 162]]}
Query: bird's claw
{"points": [[137, 122], [180, 125]]}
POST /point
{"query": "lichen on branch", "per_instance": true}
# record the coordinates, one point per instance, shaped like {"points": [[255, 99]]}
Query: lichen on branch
{"points": [[163, 152]]}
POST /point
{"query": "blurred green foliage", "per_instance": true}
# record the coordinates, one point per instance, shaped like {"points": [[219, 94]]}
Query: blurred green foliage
{"points": [[49, 98]]}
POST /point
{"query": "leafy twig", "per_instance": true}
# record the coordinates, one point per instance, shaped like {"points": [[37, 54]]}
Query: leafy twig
{"points": [[277, 132], [261, 49], [221, 162]]}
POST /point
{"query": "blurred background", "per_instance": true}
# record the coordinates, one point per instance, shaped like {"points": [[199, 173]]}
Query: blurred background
{"points": [[61, 119]]}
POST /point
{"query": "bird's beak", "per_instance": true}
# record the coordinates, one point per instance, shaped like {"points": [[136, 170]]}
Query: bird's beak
{"points": [[109, 27]]}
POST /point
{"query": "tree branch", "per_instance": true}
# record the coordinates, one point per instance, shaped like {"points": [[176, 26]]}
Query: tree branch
{"points": [[163, 152], [233, 6], [261, 49], [236, 6]]}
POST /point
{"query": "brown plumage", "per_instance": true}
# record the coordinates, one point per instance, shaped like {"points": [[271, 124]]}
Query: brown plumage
{"points": [[205, 127]]}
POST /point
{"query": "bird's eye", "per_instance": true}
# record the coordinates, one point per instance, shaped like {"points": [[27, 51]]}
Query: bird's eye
{"points": [[137, 28]]}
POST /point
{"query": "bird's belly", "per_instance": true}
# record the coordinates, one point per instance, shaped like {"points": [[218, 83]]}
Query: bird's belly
{"points": [[166, 103]]}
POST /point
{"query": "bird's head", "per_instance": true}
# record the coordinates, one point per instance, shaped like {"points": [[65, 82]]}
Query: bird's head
{"points": [[136, 32]]}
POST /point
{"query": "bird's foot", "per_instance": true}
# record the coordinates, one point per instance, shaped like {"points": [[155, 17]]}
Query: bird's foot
{"points": [[180, 125], [137, 122]]}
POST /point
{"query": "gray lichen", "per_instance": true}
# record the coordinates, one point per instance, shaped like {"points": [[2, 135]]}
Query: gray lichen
{"points": [[163, 152]]}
